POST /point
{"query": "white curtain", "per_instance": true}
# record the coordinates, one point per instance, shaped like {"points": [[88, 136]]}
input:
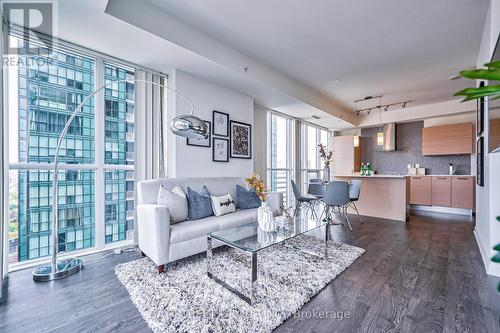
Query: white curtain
{"points": [[149, 111]]}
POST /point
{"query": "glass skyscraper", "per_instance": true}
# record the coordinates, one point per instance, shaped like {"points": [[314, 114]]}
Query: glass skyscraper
{"points": [[119, 149], [48, 92]]}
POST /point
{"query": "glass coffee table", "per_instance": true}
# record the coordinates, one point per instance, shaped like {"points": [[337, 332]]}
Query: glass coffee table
{"points": [[250, 239]]}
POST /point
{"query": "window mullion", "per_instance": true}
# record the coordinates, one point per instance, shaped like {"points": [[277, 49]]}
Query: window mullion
{"points": [[99, 114]]}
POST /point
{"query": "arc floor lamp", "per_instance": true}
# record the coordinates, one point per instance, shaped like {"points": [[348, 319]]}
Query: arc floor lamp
{"points": [[187, 125]]}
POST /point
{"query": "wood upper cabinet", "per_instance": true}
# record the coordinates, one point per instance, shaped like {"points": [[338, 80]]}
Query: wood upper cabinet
{"points": [[447, 139], [421, 190], [441, 191], [494, 134], [462, 192], [346, 157]]}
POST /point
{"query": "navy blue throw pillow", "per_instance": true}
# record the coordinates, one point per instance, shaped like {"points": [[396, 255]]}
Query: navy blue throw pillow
{"points": [[199, 204], [246, 199]]}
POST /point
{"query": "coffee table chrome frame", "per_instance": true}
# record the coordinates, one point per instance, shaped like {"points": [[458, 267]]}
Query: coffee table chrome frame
{"points": [[253, 258], [253, 280]]}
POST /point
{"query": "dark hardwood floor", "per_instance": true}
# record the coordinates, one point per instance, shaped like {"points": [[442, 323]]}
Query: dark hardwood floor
{"points": [[423, 276]]}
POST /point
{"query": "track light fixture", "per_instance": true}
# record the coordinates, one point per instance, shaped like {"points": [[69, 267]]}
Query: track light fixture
{"points": [[385, 107]]}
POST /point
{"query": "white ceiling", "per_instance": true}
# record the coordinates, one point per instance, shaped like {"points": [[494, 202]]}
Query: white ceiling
{"points": [[401, 49], [85, 23]]}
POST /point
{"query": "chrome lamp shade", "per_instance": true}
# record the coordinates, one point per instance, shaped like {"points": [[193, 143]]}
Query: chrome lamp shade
{"points": [[189, 126]]}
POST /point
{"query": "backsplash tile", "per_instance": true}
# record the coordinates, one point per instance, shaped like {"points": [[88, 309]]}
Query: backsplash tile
{"points": [[408, 151]]}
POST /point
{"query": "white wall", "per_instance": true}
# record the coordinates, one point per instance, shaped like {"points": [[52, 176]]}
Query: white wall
{"points": [[189, 161], [487, 230]]}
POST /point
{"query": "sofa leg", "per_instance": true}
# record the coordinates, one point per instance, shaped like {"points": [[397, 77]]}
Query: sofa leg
{"points": [[161, 269], [143, 254]]}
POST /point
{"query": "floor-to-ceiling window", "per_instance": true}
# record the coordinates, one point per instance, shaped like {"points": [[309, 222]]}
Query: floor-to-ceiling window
{"points": [[311, 164], [97, 155], [280, 154]]}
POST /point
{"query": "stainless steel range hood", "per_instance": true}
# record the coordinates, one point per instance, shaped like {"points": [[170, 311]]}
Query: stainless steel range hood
{"points": [[389, 131]]}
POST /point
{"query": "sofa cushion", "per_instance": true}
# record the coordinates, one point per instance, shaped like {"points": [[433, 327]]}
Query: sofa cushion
{"points": [[246, 199], [188, 230], [223, 204], [199, 204], [237, 218], [176, 202]]}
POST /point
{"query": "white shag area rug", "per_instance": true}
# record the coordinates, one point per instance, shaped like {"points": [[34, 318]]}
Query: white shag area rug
{"points": [[184, 299]]}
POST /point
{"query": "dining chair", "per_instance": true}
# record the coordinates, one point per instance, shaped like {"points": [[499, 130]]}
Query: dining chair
{"points": [[315, 180], [318, 190], [354, 191], [337, 197], [303, 200]]}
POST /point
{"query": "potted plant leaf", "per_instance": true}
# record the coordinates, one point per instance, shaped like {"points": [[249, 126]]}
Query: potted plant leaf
{"points": [[491, 72]]}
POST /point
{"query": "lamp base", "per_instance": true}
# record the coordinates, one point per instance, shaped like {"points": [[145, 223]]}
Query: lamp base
{"points": [[65, 267]]}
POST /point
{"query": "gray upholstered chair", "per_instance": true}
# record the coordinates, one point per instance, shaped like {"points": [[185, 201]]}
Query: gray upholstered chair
{"points": [[354, 191], [303, 200], [318, 190], [337, 197], [315, 180]]}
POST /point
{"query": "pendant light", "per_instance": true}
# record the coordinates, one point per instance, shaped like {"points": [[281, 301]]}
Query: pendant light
{"points": [[380, 133]]}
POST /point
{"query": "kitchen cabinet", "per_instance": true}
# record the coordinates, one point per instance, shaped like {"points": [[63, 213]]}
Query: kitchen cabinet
{"points": [[420, 190], [441, 191], [447, 139], [346, 157], [462, 192], [494, 134]]}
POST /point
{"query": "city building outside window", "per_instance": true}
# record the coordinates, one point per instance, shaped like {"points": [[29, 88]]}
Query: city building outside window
{"points": [[280, 160], [42, 95], [311, 164]]}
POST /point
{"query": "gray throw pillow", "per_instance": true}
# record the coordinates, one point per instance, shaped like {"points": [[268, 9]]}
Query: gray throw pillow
{"points": [[199, 204], [246, 199], [176, 202]]}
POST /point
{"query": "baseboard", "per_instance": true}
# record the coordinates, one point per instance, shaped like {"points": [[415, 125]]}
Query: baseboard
{"points": [[490, 267], [482, 251], [439, 209]]}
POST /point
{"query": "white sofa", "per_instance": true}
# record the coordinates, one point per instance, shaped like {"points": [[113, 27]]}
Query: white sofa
{"points": [[164, 242]]}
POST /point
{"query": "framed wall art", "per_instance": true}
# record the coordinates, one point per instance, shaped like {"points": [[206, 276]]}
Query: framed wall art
{"points": [[220, 122], [241, 140], [220, 150], [201, 142]]}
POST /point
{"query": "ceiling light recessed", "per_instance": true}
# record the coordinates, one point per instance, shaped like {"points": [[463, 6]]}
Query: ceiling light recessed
{"points": [[337, 81]]}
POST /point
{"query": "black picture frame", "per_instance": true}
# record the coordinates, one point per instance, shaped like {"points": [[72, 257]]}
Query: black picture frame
{"points": [[238, 142], [480, 161], [215, 146], [215, 120], [480, 113], [198, 142]]}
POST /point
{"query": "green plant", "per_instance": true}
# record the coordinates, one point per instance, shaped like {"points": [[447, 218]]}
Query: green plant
{"points": [[496, 257], [491, 73]]}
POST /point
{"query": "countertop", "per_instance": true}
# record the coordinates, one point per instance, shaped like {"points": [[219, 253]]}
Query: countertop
{"points": [[399, 176], [373, 176]]}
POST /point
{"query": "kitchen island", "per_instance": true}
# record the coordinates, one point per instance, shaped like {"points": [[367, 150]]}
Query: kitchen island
{"points": [[382, 196]]}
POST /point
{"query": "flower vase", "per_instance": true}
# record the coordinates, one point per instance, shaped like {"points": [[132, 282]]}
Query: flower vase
{"points": [[326, 174], [265, 218]]}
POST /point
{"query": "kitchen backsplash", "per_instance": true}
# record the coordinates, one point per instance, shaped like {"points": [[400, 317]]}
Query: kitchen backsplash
{"points": [[408, 151]]}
